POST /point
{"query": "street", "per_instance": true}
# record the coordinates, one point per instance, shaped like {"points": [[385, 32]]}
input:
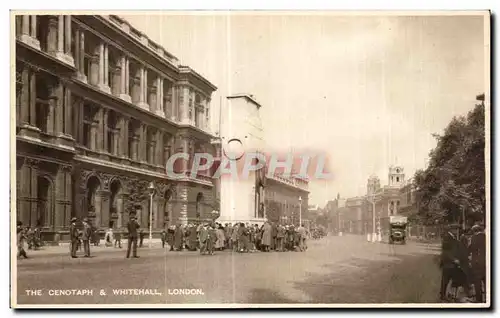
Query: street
{"points": [[333, 270]]}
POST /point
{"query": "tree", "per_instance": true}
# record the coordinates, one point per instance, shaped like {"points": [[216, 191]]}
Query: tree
{"points": [[455, 178], [138, 193]]}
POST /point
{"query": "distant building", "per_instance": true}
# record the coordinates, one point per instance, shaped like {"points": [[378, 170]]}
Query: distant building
{"points": [[355, 214]]}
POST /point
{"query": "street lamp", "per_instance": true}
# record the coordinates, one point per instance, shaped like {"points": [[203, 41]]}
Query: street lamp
{"points": [[151, 190], [372, 200], [300, 211]]}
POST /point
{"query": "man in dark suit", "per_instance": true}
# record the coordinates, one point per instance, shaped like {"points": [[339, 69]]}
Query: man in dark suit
{"points": [[74, 236], [132, 227], [477, 250], [86, 236]]}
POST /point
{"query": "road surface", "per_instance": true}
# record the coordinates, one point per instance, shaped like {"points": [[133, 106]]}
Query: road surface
{"points": [[333, 270]]}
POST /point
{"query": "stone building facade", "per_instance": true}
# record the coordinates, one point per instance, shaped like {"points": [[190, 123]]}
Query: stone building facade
{"points": [[281, 199], [100, 108], [355, 214]]}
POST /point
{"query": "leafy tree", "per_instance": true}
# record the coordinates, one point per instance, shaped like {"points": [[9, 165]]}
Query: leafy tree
{"points": [[455, 178], [138, 193]]}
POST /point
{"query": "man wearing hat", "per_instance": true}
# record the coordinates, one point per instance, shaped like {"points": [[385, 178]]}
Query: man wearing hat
{"points": [[477, 250], [450, 257], [20, 240], [86, 235], [132, 227], [74, 237]]}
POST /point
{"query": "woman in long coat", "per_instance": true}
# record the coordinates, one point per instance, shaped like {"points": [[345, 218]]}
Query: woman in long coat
{"points": [[193, 238], [266, 236], [221, 237], [178, 238]]}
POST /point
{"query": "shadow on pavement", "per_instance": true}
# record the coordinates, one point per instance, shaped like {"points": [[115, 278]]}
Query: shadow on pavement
{"points": [[410, 279], [267, 296]]}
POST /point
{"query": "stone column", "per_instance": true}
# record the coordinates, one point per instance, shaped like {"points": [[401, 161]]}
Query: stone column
{"points": [[103, 68], [28, 35], [183, 108], [63, 193], [104, 130], [25, 95], [127, 76], [124, 79], [59, 111], [67, 112], [136, 87], [102, 215], [143, 89], [33, 26], [67, 33], [60, 34], [141, 92], [142, 143], [159, 148], [32, 99], [116, 88], [116, 147], [78, 64], [159, 97], [26, 25], [94, 70], [52, 36], [23, 194], [153, 94], [152, 152], [106, 65], [124, 134], [170, 103], [101, 63], [135, 142], [81, 57], [80, 120], [183, 204]]}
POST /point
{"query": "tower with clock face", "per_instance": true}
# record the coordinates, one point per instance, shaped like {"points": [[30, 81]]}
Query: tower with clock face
{"points": [[396, 176]]}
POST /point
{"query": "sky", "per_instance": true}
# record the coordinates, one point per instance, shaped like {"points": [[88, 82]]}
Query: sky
{"points": [[369, 91]]}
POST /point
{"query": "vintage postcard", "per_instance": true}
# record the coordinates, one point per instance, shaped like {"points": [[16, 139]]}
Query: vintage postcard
{"points": [[184, 159]]}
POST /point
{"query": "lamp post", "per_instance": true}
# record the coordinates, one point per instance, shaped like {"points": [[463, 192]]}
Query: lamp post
{"points": [[151, 190], [300, 211], [372, 200]]}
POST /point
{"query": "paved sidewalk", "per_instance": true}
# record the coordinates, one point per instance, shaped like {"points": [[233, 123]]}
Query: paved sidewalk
{"points": [[64, 248]]}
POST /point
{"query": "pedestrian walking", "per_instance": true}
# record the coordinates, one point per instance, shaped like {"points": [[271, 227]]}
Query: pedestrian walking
{"points": [[74, 237], [163, 238], [21, 238], [280, 238], [141, 237], [477, 250], [118, 239], [203, 238], [170, 236], [266, 237], [86, 236], [132, 227], [301, 233], [109, 237], [221, 238]]}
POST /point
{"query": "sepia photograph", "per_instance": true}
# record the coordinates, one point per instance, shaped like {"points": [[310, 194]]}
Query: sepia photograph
{"points": [[222, 159]]}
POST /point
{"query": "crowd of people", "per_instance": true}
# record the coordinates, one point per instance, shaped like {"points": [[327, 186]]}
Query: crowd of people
{"points": [[463, 263], [238, 237]]}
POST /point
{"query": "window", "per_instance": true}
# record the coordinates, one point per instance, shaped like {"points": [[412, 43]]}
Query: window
{"points": [[42, 103], [111, 131], [87, 124], [397, 179]]}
